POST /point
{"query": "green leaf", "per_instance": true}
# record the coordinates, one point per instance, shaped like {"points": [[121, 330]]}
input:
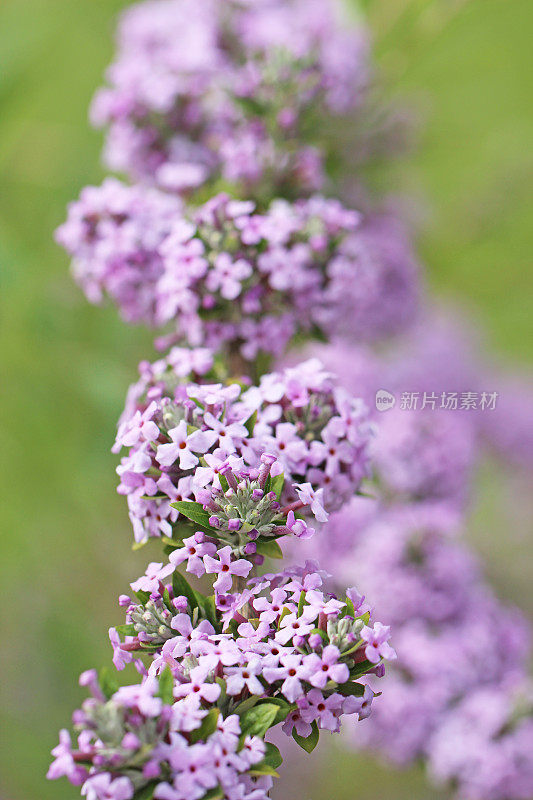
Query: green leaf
{"points": [[250, 424], [223, 482], [208, 726], [214, 794], [301, 603], [146, 793], [351, 689], [126, 630], [307, 743], [349, 611], [166, 685], [194, 512], [273, 757], [276, 485], [269, 548], [142, 596], [210, 611], [259, 719], [108, 682], [181, 587], [246, 705], [263, 769], [251, 105], [361, 669]]}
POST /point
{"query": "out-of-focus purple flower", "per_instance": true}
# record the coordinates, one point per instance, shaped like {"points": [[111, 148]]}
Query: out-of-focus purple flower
{"points": [[201, 89]]}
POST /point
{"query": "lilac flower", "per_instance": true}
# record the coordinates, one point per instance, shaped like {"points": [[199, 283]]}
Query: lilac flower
{"points": [[359, 705], [224, 567], [314, 499], [193, 86], [104, 787], [64, 764], [247, 675], [291, 671], [326, 667], [291, 625], [325, 710], [227, 276], [184, 447], [199, 686], [193, 550], [377, 639]]}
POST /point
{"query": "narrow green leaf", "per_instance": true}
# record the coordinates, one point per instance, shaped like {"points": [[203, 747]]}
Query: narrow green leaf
{"points": [[146, 793], [214, 794], [108, 682], [208, 726], [307, 743], [349, 610], [351, 689], [301, 604], [276, 485], [361, 669], [139, 545], [194, 512], [263, 769], [166, 685], [210, 611], [181, 587], [142, 596], [246, 705], [126, 630], [250, 424]]}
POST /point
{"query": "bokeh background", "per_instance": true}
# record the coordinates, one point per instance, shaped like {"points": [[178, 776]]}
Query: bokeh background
{"points": [[465, 67]]}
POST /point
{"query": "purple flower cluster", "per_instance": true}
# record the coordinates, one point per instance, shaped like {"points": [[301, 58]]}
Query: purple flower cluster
{"points": [[222, 670], [201, 90], [452, 635], [484, 746], [222, 111], [181, 436], [141, 738], [422, 455], [455, 640], [113, 233], [373, 290], [280, 637], [227, 276], [231, 274]]}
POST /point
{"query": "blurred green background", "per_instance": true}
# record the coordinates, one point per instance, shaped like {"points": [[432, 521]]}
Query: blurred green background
{"points": [[467, 69]]}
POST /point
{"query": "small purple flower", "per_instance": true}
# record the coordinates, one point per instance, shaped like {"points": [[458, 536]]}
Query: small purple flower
{"points": [[194, 549], [377, 639], [291, 671], [184, 447], [225, 567], [324, 668], [198, 685], [314, 499]]}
